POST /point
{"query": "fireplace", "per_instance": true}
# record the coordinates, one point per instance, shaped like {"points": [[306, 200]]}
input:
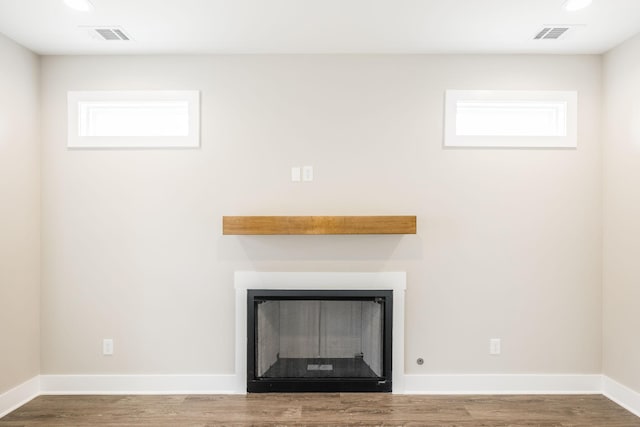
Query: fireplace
{"points": [[310, 340], [395, 281]]}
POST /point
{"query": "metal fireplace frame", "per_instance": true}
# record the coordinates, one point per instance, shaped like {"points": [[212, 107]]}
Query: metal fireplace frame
{"points": [[342, 384]]}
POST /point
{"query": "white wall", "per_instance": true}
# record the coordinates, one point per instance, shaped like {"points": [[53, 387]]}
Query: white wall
{"points": [[508, 244], [19, 215], [622, 214]]}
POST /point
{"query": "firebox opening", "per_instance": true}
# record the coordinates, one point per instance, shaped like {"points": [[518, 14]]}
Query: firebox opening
{"points": [[319, 340]]}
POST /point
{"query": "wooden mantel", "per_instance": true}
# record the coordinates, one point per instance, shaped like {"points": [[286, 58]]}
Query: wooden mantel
{"points": [[273, 225]]}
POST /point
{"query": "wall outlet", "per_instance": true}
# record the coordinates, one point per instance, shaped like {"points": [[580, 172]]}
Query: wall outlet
{"points": [[107, 347], [494, 346]]}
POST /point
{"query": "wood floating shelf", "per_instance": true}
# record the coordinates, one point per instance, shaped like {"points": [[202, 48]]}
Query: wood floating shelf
{"points": [[316, 225]]}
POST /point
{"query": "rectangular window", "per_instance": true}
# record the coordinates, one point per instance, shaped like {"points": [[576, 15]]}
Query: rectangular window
{"points": [[539, 119], [132, 119]]}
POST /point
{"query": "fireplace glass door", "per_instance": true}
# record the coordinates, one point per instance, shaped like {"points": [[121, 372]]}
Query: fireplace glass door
{"points": [[319, 341]]}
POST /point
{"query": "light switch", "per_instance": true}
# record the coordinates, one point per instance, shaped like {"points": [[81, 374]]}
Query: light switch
{"points": [[295, 174], [307, 173]]}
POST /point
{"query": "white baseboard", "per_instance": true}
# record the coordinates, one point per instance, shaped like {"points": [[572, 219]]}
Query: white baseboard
{"points": [[413, 384], [18, 396], [621, 394], [503, 384], [137, 384]]}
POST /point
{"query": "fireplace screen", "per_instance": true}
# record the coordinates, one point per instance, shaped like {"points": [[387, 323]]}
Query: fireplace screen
{"points": [[319, 340]]}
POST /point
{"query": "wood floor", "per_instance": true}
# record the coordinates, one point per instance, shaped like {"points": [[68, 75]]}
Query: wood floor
{"points": [[327, 409]]}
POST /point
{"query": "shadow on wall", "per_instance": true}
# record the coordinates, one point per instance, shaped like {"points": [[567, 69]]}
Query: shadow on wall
{"points": [[320, 248]]}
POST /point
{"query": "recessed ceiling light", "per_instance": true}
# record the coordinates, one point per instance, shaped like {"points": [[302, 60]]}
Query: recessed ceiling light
{"points": [[81, 5], [573, 5]]}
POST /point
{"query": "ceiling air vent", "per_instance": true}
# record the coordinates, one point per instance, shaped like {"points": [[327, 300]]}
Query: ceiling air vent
{"points": [[551, 33], [111, 34]]}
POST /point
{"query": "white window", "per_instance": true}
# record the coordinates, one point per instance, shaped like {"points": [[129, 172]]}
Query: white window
{"points": [[538, 119], [130, 119]]}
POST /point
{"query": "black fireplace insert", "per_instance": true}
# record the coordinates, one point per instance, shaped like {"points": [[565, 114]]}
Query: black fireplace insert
{"points": [[319, 340]]}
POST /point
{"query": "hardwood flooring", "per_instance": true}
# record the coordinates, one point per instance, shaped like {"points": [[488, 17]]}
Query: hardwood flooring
{"points": [[326, 409]]}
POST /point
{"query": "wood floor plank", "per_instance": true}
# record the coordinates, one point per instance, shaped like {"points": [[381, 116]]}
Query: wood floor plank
{"points": [[321, 409]]}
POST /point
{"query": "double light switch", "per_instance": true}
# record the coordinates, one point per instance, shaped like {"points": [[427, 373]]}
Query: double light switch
{"points": [[304, 173]]}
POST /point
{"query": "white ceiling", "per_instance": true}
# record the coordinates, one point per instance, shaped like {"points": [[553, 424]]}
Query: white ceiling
{"points": [[319, 26]]}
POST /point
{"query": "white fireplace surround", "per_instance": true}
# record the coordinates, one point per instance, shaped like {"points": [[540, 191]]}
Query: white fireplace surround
{"points": [[394, 281]]}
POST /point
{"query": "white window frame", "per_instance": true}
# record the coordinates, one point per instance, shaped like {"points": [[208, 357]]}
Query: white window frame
{"points": [[76, 140], [452, 139]]}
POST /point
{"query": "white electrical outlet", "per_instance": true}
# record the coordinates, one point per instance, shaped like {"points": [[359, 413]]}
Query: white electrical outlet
{"points": [[107, 347], [494, 346]]}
